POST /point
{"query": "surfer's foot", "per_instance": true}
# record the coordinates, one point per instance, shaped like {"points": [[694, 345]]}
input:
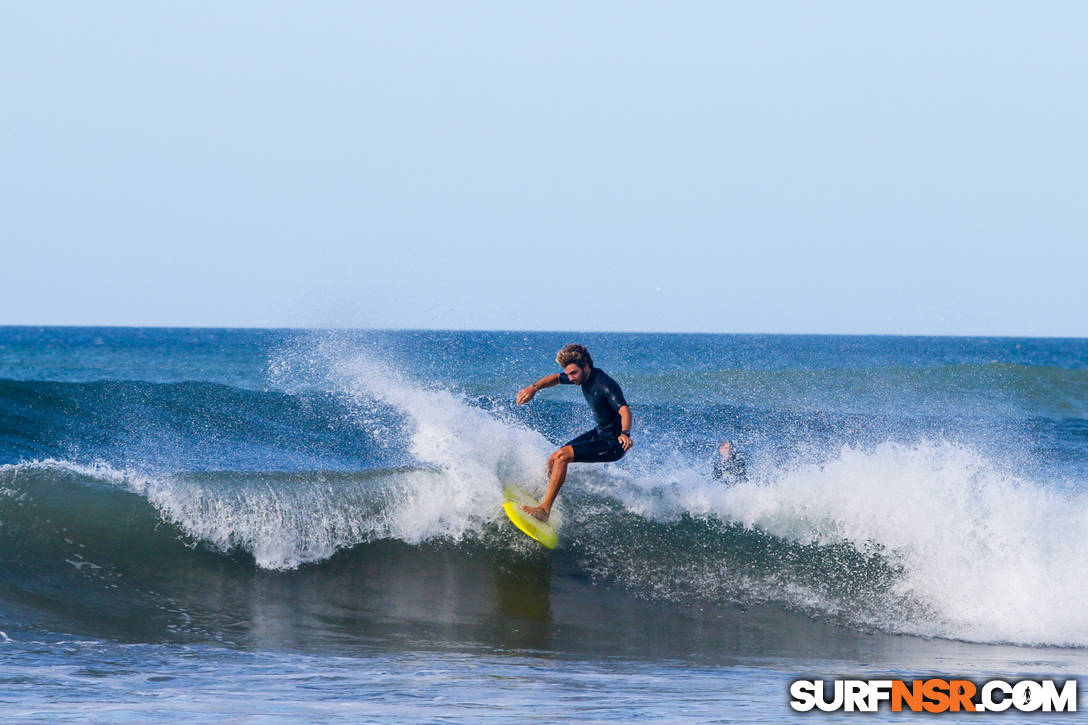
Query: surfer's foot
{"points": [[537, 512]]}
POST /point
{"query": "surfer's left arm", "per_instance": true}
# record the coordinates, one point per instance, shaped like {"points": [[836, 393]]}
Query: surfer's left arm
{"points": [[625, 425]]}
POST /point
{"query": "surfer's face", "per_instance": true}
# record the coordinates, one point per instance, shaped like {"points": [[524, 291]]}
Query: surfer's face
{"points": [[576, 373]]}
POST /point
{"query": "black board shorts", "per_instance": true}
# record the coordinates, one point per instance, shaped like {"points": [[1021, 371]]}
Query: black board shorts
{"points": [[592, 447]]}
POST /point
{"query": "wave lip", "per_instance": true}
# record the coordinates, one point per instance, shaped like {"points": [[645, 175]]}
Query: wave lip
{"points": [[282, 520]]}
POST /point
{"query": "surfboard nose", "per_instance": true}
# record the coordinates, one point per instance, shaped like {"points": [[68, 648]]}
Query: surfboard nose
{"points": [[539, 531]]}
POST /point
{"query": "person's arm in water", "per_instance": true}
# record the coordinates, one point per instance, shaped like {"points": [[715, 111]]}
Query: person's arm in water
{"points": [[526, 394], [625, 425]]}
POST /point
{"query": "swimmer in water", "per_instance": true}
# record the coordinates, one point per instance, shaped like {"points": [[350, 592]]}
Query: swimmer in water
{"points": [[729, 467]]}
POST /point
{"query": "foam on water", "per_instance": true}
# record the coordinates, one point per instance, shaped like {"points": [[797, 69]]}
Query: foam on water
{"points": [[98, 470], [983, 555], [463, 454]]}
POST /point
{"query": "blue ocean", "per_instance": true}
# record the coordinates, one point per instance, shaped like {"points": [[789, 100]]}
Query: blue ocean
{"points": [[287, 525]]}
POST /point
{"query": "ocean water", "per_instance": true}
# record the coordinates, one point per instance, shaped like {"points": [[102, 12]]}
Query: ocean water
{"points": [[283, 525]]}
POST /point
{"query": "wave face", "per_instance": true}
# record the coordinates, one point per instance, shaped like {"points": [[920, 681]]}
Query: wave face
{"points": [[309, 466], [183, 425]]}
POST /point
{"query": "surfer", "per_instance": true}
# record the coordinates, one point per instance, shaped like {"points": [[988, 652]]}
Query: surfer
{"points": [[608, 442], [729, 467]]}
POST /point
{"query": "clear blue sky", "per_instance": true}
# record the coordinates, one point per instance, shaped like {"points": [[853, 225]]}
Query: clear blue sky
{"points": [[820, 167]]}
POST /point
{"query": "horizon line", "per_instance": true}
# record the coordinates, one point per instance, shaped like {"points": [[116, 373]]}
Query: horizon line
{"points": [[537, 331]]}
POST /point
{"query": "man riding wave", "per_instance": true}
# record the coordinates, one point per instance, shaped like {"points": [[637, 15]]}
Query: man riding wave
{"points": [[607, 442]]}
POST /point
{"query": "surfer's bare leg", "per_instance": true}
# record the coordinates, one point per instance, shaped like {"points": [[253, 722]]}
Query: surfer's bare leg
{"points": [[557, 469]]}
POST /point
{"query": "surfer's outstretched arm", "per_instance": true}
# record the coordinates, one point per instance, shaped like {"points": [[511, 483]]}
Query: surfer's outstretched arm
{"points": [[526, 394]]}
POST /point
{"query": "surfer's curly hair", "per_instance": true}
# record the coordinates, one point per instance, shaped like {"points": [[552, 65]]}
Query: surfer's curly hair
{"points": [[573, 353]]}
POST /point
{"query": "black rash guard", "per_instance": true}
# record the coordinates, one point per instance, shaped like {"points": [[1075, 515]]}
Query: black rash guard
{"points": [[605, 398]]}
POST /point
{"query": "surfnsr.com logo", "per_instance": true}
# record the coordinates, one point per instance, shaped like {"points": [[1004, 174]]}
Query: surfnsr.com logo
{"points": [[933, 695]]}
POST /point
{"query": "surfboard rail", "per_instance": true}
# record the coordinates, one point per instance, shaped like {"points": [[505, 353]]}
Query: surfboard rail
{"points": [[540, 531]]}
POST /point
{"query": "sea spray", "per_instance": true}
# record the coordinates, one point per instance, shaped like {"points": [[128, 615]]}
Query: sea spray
{"points": [[971, 550]]}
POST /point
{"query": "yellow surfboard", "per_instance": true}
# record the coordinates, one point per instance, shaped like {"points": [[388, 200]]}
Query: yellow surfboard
{"points": [[529, 525]]}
